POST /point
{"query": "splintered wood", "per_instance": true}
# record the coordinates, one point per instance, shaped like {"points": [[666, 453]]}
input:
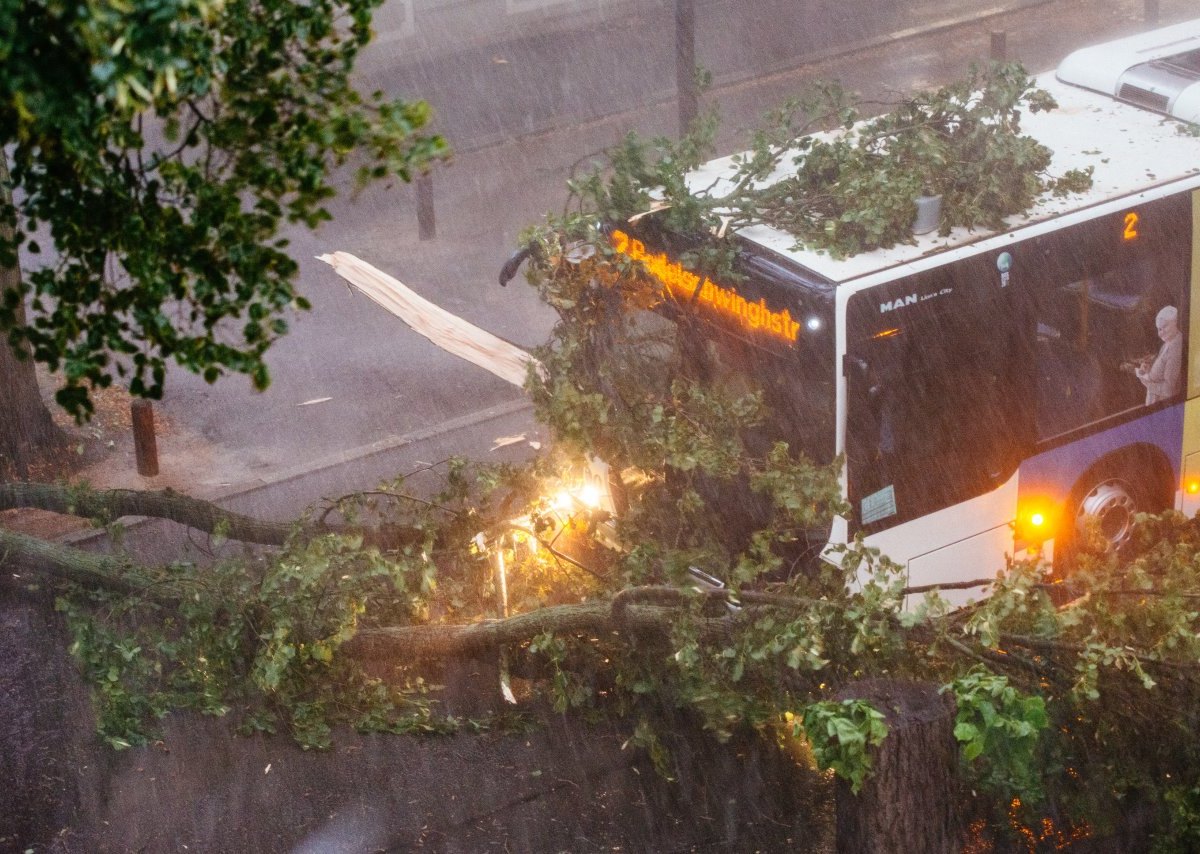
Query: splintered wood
{"points": [[448, 331]]}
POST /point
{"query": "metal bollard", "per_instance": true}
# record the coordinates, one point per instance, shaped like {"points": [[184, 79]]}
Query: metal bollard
{"points": [[426, 226], [145, 447], [999, 47]]}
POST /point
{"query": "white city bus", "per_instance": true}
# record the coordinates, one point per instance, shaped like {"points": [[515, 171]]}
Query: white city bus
{"points": [[986, 388]]}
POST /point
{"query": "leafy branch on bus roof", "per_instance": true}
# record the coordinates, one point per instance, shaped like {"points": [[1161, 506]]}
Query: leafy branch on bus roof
{"points": [[842, 182]]}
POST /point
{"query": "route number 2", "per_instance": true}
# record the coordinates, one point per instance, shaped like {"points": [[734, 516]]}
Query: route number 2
{"points": [[1131, 226]]}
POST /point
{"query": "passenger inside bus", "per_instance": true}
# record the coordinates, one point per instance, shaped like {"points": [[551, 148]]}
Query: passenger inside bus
{"points": [[1162, 374], [1098, 354]]}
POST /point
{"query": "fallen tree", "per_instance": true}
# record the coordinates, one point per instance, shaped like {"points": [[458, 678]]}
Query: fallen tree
{"points": [[288, 640]]}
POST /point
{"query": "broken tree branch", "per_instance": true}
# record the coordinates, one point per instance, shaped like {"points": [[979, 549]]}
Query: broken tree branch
{"points": [[111, 504], [448, 331], [20, 553]]}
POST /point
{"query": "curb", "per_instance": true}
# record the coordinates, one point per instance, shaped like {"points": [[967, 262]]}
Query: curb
{"points": [[330, 461]]}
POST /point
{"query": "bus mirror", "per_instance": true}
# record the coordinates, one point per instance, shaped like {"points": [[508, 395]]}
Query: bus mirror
{"points": [[855, 369], [862, 382], [509, 270]]}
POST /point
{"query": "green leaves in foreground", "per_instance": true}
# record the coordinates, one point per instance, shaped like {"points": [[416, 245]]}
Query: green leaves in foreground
{"points": [[257, 639], [1000, 728], [841, 735]]}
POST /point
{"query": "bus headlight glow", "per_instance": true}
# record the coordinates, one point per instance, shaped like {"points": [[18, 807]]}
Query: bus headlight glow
{"points": [[587, 492], [589, 496]]}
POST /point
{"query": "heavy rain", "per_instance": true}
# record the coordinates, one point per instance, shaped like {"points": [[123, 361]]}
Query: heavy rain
{"points": [[529, 94]]}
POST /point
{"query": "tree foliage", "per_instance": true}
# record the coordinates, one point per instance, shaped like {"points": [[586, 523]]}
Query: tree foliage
{"points": [[157, 147], [1075, 711]]}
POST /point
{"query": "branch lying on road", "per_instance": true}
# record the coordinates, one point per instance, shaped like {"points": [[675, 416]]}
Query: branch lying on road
{"points": [[21, 553], [635, 611], [648, 611], [111, 504], [446, 641]]}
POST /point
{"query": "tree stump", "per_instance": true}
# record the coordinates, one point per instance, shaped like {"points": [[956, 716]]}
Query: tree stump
{"points": [[914, 800]]}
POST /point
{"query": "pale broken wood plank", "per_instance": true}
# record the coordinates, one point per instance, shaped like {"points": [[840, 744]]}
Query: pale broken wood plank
{"points": [[504, 441], [448, 331]]}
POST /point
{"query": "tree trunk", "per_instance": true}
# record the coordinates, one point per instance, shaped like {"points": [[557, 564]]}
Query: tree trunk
{"points": [[25, 423], [106, 505], [914, 799], [21, 553]]}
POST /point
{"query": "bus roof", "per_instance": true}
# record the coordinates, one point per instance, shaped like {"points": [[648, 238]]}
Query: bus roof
{"points": [[1130, 149], [1158, 70]]}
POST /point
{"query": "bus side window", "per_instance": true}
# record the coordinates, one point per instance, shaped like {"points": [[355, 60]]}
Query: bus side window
{"points": [[1097, 337]]}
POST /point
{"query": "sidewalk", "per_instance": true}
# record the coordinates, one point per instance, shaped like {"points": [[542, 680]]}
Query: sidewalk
{"points": [[497, 76]]}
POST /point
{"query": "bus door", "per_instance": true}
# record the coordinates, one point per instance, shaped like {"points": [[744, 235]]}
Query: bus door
{"points": [[936, 369], [1190, 503]]}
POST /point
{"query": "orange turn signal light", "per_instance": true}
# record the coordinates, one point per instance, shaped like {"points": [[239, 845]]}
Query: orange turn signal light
{"points": [[1034, 524]]}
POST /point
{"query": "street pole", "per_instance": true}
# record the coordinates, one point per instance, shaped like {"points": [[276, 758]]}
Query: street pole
{"points": [[685, 62], [426, 224], [999, 49]]}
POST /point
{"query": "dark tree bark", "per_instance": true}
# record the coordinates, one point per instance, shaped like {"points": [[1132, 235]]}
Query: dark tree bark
{"points": [[110, 504], [21, 554], [25, 423], [914, 799]]}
